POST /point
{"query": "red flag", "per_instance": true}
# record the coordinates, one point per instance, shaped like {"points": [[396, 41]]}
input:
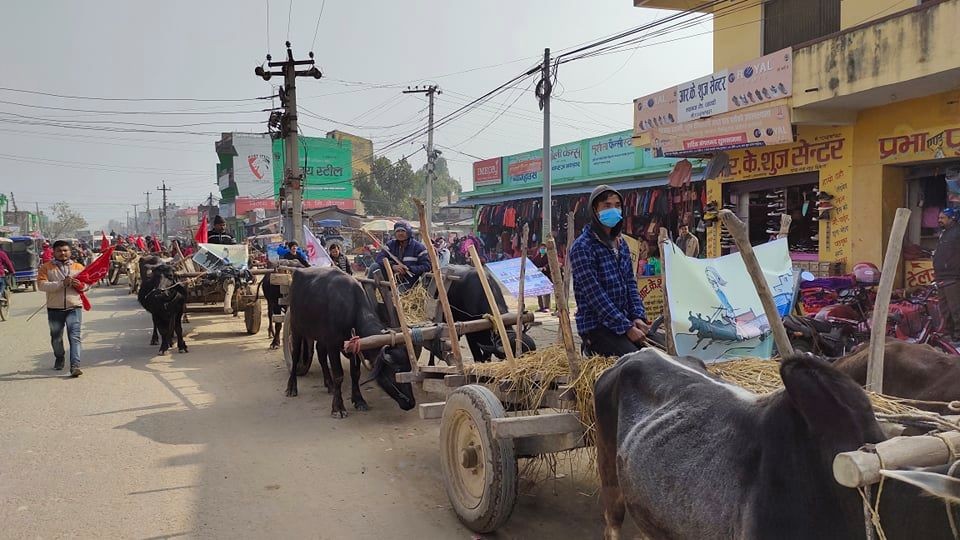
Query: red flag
{"points": [[201, 236], [93, 273], [141, 244], [104, 243], [156, 246]]}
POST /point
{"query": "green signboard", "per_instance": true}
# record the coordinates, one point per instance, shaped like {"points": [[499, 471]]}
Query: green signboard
{"points": [[327, 168]]}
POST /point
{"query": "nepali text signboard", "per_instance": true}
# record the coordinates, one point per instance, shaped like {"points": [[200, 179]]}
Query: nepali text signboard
{"points": [[507, 272], [918, 273], [760, 81], [488, 172], [524, 169], [613, 153], [762, 126], [566, 161], [327, 168], [715, 310]]}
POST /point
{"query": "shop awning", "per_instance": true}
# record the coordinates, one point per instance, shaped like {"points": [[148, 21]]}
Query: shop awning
{"points": [[495, 198]]}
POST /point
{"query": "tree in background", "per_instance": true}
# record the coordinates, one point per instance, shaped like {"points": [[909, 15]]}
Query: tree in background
{"points": [[443, 183], [66, 221], [387, 190]]}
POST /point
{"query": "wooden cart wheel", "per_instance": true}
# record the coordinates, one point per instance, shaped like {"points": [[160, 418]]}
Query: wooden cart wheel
{"points": [[252, 317], [303, 368], [479, 471]]}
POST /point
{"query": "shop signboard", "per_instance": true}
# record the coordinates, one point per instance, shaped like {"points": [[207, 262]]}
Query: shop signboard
{"points": [[920, 145], [613, 153], [327, 168], [524, 169], [488, 172], [253, 165], [757, 82], [718, 314], [566, 162], [507, 273], [918, 273], [764, 126]]}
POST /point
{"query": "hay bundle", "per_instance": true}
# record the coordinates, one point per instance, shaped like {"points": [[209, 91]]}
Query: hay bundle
{"points": [[538, 371], [414, 302]]}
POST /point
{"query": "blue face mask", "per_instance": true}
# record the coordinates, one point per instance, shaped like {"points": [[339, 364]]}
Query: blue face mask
{"points": [[610, 216]]}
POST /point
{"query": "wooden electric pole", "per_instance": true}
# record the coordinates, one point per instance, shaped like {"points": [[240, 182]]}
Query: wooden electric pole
{"points": [[293, 176]]}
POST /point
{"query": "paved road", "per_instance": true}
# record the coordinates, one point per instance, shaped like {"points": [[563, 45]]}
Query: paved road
{"points": [[205, 445]]}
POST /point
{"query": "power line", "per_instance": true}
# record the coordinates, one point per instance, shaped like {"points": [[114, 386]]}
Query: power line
{"points": [[97, 98], [317, 29], [289, 17], [102, 111]]}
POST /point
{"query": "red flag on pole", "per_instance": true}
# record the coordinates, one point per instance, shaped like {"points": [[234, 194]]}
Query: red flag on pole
{"points": [[156, 245], [93, 273], [104, 243], [201, 236]]}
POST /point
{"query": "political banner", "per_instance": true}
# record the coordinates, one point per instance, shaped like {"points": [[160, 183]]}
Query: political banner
{"points": [[316, 255], [715, 310], [252, 166], [507, 272], [213, 257]]}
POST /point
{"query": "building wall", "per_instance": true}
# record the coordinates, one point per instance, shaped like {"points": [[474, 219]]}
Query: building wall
{"points": [[738, 37], [362, 157]]}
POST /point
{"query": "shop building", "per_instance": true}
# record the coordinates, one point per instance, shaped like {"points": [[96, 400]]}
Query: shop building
{"points": [[872, 104]]}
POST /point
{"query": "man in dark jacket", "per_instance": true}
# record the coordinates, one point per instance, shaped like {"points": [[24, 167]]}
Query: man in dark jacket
{"points": [[610, 313], [219, 234], [946, 269], [407, 257], [339, 258], [294, 253]]}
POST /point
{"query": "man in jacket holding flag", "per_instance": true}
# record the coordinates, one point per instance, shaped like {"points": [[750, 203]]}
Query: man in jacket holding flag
{"points": [[58, 279]]}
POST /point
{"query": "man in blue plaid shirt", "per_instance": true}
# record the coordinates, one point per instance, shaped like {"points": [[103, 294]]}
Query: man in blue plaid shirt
{"points": [[610, 314]]}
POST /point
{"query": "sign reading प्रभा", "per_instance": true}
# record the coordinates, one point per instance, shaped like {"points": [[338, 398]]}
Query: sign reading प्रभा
{"points": [[508, 273]]}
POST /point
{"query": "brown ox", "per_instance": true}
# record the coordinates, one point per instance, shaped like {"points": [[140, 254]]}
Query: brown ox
{"points": [[911, 371]]}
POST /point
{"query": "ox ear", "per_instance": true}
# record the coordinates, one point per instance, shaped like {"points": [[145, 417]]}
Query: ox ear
{"points": [[832, 405]]}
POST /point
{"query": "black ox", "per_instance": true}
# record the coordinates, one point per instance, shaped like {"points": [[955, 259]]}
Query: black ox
{"points": [[326, 307], [691, 456], [469, 303], [165, 299]]}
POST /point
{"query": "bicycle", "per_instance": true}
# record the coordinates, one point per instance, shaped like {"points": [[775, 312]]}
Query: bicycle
{"points": [[6, 296]]}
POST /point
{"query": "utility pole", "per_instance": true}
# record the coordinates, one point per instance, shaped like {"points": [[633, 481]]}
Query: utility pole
{"points": [[127, 223], [293, 176], [149, 217], [39, 224], [431, 91], [136, 221], [543, 92], [163, 212]]}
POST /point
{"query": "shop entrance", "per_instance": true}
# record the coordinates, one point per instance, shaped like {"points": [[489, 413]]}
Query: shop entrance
{"points": [[760, 203], [927, 193]]}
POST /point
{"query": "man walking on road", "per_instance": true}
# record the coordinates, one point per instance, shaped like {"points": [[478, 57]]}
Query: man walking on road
{"points": [[6, 268], [610, 313], [946, 269], [58, 279]]}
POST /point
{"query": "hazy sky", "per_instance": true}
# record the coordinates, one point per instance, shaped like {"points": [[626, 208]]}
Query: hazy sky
{"points": [[208, 49]]}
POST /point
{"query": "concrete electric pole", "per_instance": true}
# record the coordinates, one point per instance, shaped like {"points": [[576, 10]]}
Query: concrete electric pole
{"points": [[293, 176], [149, 217], [136, 221], [430, 91], [543, 92], [163, 212]]}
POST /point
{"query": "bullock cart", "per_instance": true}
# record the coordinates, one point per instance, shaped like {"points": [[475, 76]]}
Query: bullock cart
{"points": [[229, 291], [120, 266]]}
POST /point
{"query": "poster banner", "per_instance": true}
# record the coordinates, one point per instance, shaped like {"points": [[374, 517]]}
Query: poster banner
{"points": [[253, 165], [763, 80], [716, 312], [316, 255], [524, 169], [327, 168], [213, 257], [765, 126], [566, 161], [507, 272], [613, 153], [488, 172]]}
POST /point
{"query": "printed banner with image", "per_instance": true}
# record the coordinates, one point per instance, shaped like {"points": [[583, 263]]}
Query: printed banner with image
{"points": [[507, 272], [213, 257], [714, 307]]}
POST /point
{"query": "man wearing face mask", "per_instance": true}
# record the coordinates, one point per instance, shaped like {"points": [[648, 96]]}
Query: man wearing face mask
{"points": [[610, 314], [58, 279]]}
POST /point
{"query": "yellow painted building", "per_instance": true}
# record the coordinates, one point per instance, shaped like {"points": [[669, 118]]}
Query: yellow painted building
{"points": [[875, 109]]}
